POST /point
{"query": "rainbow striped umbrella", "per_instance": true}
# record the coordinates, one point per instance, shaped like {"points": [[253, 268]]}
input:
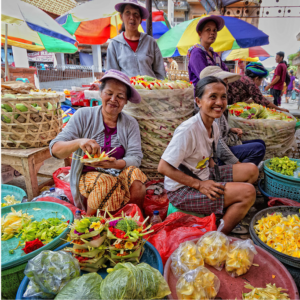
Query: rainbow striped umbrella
{"points": [[31, 28], [235, 34], [247, 54], [96, 21]]}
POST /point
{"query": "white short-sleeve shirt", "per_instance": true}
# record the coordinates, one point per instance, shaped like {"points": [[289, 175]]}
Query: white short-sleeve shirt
{"points": [[191, 147]]}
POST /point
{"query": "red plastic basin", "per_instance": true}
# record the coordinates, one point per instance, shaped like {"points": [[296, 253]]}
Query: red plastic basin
{"points": [[233, 288]]}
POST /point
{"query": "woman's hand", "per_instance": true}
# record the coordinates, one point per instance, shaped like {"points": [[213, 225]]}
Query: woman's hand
{"points": [[283, 109], [90, 146], [112, 163], [211, 189], [238, 131]]}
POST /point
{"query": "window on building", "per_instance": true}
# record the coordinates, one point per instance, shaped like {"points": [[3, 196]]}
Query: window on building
{"points": [[178, 21]]}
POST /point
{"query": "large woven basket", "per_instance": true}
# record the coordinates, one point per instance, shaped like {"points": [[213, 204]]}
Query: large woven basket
{"points": [[35, 126], [159, 114]]}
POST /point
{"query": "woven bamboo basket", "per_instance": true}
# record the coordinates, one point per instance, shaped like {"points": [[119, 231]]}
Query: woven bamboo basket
{"points": [[159, 114], [35, 126]]}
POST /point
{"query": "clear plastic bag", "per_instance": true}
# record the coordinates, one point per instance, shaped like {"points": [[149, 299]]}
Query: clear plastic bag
{"points": [[127, 281], [240, 257], [213, 247], [198, 284], [185, 258], [86, 286], [49, 272], [278, 135]]}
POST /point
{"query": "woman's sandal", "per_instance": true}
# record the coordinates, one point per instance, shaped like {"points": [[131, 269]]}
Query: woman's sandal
{"points": [[240, 229]]}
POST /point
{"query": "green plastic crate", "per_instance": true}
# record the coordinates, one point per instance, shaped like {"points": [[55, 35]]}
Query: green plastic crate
{"points": [[11, 280]]}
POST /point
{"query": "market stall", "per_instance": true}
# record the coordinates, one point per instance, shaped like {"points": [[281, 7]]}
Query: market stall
{"points": [[164, 106], [275, 128]]}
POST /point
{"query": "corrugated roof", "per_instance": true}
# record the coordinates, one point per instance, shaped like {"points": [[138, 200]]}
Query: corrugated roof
{"points": [[57, 7]]}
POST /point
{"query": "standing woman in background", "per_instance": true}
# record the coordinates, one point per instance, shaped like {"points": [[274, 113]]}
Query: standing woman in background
{"points": [[202, 55], [133, 52]]}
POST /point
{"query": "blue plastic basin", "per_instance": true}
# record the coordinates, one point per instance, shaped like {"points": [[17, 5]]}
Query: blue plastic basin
{"points": [[150, 256]]}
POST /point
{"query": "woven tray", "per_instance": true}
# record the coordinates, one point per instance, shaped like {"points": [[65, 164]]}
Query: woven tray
{"points": [[48, 210], [33, 128]]}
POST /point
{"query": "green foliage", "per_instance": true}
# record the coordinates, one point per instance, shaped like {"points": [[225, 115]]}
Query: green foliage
{"points": [[127, 225], [283, 165]]}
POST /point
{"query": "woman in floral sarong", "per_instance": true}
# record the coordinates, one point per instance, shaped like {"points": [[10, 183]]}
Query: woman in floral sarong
{"points": [[113, 183]]}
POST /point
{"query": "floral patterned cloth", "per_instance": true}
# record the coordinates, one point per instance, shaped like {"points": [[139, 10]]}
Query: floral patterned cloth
{"points": [[244, 89]]}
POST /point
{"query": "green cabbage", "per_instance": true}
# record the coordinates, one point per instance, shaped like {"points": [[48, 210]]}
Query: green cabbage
{"points": [[84, 287]]}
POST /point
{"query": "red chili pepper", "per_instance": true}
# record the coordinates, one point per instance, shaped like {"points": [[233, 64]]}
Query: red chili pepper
{"points": [[85, 156]]}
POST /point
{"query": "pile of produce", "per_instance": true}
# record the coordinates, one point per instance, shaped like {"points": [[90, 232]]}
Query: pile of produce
{"points": [[35, 116], [44, 91], [16, 87], [127, 281], [269, 292], [185, 258], [33, 234], [257, 111], [284, 165], [13, 223], [240, 257], [49, 272], [146, 82], [9, 200], [198, 284], [213, 247], [97, 240], [280, 233]]}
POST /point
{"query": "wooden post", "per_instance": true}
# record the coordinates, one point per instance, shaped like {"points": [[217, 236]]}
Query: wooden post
{"points": [[149, 20], [7, 78]]}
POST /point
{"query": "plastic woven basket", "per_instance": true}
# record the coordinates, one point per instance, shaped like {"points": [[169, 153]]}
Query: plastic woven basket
{"points": [[150, 256], [278, 185], [47, 210], [285, 210], [12, 190], [11, 280]]}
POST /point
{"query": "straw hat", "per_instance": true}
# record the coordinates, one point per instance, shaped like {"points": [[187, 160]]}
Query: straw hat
{"points": [[218, 72], [145, 12], [115, 74]]}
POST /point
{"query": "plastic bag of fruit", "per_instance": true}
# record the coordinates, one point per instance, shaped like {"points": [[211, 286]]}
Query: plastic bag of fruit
{"points": [[240, 257], [185, 258], [198, 284], [213, 247]]}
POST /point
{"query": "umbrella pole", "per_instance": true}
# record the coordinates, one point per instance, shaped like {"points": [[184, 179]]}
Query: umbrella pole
{"points": [[149, 20], [5, 49]]}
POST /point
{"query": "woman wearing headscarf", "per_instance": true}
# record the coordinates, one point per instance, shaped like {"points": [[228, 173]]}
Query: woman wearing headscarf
{"points": [[133, 52], [202, 55], [247, 88]]}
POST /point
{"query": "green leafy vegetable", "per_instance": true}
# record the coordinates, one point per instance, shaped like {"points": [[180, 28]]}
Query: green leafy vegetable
{"points": [[84, 287], [283, 165]]}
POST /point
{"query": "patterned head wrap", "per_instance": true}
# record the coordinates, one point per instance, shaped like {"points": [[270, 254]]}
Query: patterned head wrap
{"points": [[258, 69]]}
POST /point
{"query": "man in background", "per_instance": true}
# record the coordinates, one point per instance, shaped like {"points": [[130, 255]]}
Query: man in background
{"points": [[290, 86], [278, 80], [173, 64]]}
